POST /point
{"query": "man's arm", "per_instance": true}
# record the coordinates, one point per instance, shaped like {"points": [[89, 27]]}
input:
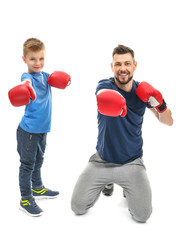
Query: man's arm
{"points": [[111, 103], [148, 93], [164, 117]]}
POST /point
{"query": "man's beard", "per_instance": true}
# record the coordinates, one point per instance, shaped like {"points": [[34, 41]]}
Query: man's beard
{"points": [[125, 82]]}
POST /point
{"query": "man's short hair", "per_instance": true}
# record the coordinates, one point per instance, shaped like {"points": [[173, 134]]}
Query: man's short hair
{"points": [[121, 49]]}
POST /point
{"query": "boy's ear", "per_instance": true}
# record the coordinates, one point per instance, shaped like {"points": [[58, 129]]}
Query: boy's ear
{"points": [[24, 60]]}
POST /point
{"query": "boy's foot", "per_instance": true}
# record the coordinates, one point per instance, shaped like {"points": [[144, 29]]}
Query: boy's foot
{"points": [[44, 193], [30, 208], [108, 190]]}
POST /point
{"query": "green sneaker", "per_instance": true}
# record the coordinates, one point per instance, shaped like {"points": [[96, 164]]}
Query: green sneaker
{"points": [[44, 193], [30, 207]]}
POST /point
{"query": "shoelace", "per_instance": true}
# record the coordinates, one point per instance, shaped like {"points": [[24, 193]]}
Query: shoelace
{"points": [[33, 203]]}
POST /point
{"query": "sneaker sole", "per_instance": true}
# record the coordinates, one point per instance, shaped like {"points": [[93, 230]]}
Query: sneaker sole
{"points": [[107, 194], [29, 214], [45, 197]]}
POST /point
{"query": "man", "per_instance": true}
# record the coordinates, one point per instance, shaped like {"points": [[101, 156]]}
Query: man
{"points": [[121, 105]]}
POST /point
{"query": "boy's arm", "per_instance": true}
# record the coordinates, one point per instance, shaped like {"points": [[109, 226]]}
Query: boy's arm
{"points": [[59, 79], [22, 93]]}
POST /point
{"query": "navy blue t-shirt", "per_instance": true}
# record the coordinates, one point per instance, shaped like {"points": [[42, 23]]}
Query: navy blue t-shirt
{"points": [[120, 138]]}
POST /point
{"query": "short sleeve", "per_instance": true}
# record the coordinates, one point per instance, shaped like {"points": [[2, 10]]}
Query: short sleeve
{"points": [[103, 84], [26, 76]]}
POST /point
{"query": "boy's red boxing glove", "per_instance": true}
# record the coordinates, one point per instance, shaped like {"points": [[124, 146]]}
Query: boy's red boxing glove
{"points": [[147, 93], [111, 103], [21, 94], [59, 79]]}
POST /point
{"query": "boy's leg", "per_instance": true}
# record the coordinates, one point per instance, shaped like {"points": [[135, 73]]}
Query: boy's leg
{"points": [[89, 186], [38, 189], [137, 190], [36, 174], [27, 149]]}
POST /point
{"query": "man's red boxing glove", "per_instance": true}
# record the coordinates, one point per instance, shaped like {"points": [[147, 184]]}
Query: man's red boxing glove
{"points": [[21, 94], [147, 93], [111, 103], [59, 79]]}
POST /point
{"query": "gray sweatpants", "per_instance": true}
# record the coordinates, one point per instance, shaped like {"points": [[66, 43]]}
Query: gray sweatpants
{"points": [[132, 177]]}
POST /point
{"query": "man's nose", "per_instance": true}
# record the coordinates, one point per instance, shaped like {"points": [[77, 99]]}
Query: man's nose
{"points": [[122, 68]]}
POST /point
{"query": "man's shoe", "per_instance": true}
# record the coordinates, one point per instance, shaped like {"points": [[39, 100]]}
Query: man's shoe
{"points": [[124, 194], [44, 193], [108, 190], [30, 207]]}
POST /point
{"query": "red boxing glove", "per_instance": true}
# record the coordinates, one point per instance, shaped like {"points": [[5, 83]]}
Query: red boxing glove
{"points": [[21, 94], [59, 79], [147, 93], [111, 103]]}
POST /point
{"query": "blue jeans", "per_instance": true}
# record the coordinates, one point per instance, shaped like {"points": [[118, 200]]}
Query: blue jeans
{"points": [[31, 148]]}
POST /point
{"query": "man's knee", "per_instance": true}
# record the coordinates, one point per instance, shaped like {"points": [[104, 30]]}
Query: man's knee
{"points": [[78, 208], [141, 215]]}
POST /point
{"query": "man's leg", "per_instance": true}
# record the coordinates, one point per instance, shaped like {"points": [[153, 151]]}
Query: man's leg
{"points": [[89, 186], [137, 190]]}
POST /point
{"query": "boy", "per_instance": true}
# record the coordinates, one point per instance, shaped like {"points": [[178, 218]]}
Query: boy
{"points": [[35, 93]]}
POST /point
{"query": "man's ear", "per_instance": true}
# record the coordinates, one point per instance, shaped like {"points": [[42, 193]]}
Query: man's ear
{"points": [[111, 66], [135, 65]]}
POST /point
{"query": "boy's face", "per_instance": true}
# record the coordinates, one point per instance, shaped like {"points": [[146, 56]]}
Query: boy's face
{"points": [[35, 60]]}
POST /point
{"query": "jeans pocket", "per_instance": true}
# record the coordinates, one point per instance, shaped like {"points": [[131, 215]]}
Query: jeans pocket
{"points": [[29, 142], [142, 162]]}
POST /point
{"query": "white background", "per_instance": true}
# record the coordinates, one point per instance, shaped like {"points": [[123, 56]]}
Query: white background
{"points": [[79, 37]]}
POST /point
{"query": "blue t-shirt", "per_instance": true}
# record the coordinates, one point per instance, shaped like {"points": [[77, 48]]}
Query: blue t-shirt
{"points": [[120, 138], [37, 116]]}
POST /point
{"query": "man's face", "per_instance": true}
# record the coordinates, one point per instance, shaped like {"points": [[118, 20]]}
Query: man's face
{"points": [[123, 67], [35, 60]]}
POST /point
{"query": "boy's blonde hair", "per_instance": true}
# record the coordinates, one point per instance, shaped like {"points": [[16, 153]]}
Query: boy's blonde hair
{"points": [[32, 44]]}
